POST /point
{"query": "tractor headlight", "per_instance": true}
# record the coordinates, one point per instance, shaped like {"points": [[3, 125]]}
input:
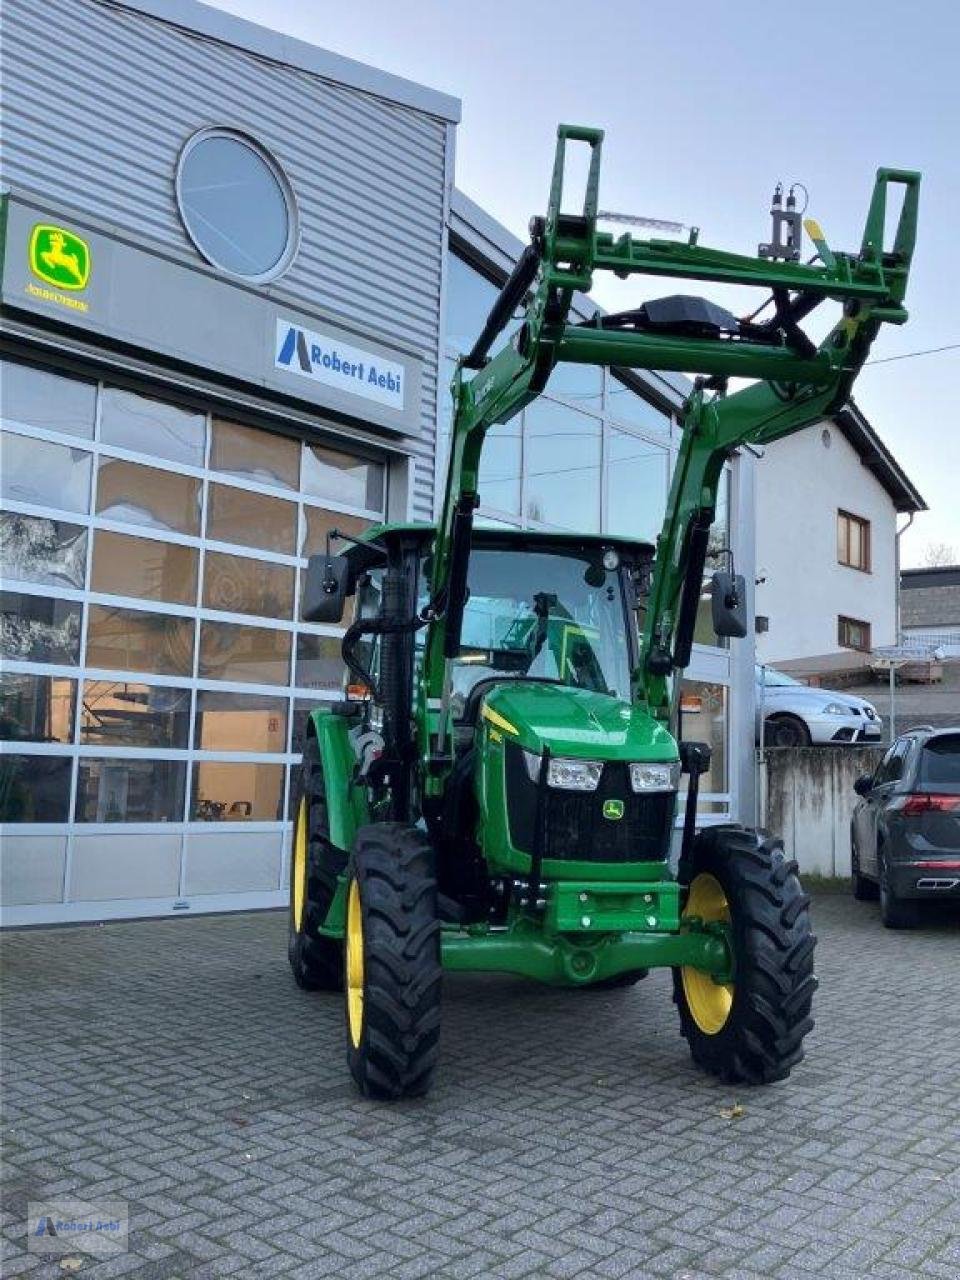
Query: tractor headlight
{"points": [[566, 775], [647, 778]]}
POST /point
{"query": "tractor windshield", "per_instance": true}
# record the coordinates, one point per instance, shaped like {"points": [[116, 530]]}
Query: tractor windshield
{"points": [[554, 615]]}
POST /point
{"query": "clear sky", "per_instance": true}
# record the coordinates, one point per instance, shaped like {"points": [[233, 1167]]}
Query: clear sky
{"points": [[706, 104]]}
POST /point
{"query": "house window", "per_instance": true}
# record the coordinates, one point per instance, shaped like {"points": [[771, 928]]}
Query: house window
{"points": [[853, 634], [853, 541]]}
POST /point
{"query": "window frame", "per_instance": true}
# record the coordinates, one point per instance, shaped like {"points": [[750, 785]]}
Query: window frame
{"points": [[846, 520], [843, 621]]}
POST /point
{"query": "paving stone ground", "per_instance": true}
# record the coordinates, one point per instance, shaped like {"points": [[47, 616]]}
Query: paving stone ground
{"points": [[173, 1064]]}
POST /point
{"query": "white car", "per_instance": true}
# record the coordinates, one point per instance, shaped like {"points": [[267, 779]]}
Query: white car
{"points": [[797, 715]]}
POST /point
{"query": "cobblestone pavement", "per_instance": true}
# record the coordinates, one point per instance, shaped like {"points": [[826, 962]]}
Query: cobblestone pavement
{"points": [[174, 1064]]}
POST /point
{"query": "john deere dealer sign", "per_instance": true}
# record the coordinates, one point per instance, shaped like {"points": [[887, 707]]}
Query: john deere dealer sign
{"points": [[126, 290], [60, 260]]}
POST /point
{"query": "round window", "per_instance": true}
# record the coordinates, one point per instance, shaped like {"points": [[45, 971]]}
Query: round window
{"points": [[236, 204]]}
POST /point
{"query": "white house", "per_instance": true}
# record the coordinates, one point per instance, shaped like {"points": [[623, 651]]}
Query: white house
{"points": [[827, 547]]}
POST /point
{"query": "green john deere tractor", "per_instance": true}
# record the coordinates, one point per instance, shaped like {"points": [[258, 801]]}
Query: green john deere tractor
{"points": [[501, 795]]}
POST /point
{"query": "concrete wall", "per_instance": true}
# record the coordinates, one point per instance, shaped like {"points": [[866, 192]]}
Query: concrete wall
{"points": [[801, 484], [810, 800]]}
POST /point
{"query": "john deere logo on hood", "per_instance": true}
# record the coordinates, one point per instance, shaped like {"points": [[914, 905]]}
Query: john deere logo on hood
{"points": [[613, 809]]}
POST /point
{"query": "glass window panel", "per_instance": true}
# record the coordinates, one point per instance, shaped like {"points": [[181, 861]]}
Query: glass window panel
{"points": [[48, 475], [130, 790], [228, 791], [320, 522], [259, 455], [39, 629], [254, 655], [470, 296], [357, 482], [36, 708], [237, 584], [123, 713], [233, 205], [129, 640], [38, 549], [636, 486], [563, 467], [38, 398], [580, 382], [135, 494], [319, 664], [842, 555], [855, 554], [704, 717], [629, 406], [500, 466], [35, 788], [240, 722], [301, 714], [152, 426], [144, 567], [251, 519]]}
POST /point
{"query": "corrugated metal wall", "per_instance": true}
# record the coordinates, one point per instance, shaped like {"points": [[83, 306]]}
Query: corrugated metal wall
{"points": [[99, 101]]}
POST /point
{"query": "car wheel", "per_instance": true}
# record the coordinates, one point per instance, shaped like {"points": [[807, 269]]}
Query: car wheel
{"points": [[896, 913], [787, 731], [864, 890]]}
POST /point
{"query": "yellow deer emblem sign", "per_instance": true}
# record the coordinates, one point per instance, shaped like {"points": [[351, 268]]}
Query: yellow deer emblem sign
{"points": [[59, 257]]}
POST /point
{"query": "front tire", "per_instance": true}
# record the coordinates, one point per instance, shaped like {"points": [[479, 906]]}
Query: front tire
{"points": [[392, 962], [315, 959], [749, 1031], [787, 731]]}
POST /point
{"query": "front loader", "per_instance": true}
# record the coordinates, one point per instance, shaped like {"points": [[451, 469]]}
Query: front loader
{"points": [[500, 791]]}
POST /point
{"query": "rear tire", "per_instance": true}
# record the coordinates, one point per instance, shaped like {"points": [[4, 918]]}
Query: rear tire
{"points": [[392, 962], [864, 890], [787, 731], [896, 913], [315, 959], [750, 1031]]}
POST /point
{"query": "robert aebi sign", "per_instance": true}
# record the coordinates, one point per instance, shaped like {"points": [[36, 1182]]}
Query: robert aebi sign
{"points": [[339, 364]]}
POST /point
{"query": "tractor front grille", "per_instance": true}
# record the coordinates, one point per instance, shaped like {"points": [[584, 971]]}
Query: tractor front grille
{"points": [[575, 829]]}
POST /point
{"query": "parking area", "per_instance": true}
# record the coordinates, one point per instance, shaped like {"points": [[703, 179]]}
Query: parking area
{"points": [[174, 1065]]}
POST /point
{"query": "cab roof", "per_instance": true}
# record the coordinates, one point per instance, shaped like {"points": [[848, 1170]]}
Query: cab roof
{"points": [[631, 549]]}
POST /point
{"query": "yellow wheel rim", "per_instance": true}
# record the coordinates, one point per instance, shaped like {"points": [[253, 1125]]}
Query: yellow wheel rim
{"points": [[300, 864], [709, 1002], [354, 964]]}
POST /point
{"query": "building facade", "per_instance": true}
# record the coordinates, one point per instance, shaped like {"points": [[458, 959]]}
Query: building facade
{"points": [[827, 546], [930, 607], [223, 338]]}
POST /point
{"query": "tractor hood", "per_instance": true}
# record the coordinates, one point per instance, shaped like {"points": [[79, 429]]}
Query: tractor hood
{"points": [[575, 722]]}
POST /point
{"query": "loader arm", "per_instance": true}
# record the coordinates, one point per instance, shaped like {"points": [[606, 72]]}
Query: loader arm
{"points": [[797, 383]]}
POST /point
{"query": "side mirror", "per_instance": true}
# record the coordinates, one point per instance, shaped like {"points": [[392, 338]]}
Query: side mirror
{"points": [[325, 589], [728, 592], [863, 785]]}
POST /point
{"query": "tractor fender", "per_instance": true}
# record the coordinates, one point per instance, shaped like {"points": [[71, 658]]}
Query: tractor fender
{"points": [[346, 803]]}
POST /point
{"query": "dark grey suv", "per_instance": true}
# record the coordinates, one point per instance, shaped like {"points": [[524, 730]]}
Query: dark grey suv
{"points": [[905, 832]]}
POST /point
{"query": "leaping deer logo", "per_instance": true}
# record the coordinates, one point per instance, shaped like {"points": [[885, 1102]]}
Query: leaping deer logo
{"points": [[59, 256]]}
